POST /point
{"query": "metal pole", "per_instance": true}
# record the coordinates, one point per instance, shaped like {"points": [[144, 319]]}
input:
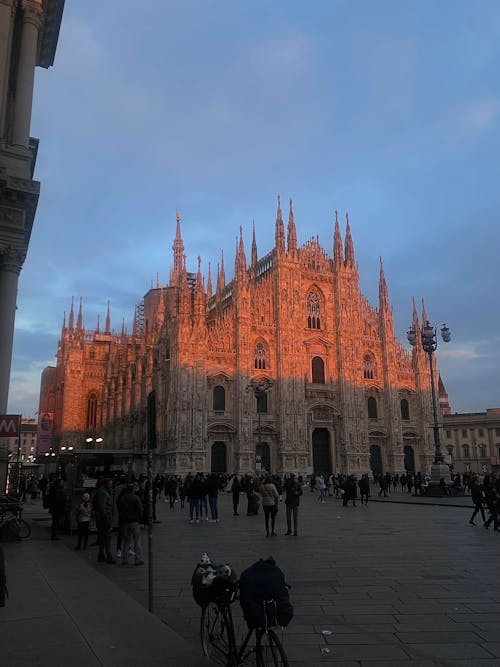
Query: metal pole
{"points": [[150, 529], [18, 463], [438, 457]]}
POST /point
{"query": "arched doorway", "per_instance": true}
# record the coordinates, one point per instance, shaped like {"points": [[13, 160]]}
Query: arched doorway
{"points": [[322, 459], [409, 459], [376, 460], [219, 457], [262, 450]]}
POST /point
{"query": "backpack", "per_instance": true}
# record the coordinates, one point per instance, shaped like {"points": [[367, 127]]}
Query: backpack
{"points": [[213, 583], [264, 597]]}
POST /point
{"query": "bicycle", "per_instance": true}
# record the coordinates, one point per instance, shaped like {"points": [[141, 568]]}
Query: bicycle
{"points": [[218, 638], [18, 528]]}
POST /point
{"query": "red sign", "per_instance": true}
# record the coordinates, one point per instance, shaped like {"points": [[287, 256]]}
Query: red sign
{"points": [[9, 426]]}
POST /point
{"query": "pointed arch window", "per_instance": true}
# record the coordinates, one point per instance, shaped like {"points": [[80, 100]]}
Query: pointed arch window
{"points": [[318, 370], [260, 357], [313, 311], [368, 367], [219, 397], [372, 408], [92, 411], [405, 410]]}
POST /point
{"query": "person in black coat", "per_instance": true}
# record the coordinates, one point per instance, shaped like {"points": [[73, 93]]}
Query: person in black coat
{"points": [[476, 492], [235, 491], [57, 506], [364, 488], [293, 491]]}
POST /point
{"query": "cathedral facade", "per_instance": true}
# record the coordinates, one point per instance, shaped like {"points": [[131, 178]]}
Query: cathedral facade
{"points": [[287, 367]]}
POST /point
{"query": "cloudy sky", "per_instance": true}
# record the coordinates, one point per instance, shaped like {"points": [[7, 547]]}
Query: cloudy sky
{"points": [[389, 110]]}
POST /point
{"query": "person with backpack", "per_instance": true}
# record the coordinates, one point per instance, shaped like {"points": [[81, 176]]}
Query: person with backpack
{"points": [[293, 491]]}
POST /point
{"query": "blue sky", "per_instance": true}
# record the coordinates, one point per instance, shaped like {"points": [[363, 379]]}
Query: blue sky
{"points": [[389, 110]]}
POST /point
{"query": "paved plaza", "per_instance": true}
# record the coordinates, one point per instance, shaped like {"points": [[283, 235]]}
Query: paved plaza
{"points": [[392, 583]]}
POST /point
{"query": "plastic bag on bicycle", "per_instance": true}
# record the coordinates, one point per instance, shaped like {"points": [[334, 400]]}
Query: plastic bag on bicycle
{"points": [[212, 582], [262, 583]]}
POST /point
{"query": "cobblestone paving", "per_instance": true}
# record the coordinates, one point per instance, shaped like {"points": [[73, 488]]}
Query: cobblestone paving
{"points": [[396, 584]]}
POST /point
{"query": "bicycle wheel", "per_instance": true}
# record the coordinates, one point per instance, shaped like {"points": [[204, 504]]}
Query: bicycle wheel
{"points": [[23, 529], [270, 652], [215, 635]]}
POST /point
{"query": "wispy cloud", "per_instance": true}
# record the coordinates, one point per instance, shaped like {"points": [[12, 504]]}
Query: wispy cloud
{"points": [[480, 115]]}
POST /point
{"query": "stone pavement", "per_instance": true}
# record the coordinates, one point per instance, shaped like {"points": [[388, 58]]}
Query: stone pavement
{"points": [[63, 612], [396, 584], [393, 584]]}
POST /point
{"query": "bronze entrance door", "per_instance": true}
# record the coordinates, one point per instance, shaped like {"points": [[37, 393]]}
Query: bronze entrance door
{"points": [[376, 460], [219, 457], [409, 460], [322, 459]]}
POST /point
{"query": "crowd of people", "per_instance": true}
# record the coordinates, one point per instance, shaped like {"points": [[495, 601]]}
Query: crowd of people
{"points": [[123, 504]]}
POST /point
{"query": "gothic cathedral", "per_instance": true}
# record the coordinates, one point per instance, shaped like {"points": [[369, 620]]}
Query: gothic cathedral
{"points": [[287, 367]]}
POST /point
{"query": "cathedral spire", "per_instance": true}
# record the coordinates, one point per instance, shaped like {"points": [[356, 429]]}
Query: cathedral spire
{"points": [[71, 316], [416, 324], [222, 274], [424, 315], [242, 260], [349, 247], [383, 294], [123, 327], [178, 247], [134, 325], [292, 231], [98, 324], [199, 280], [254, 247], [338, 252], [209, 282], [79, 322], [280, 230], [108, 321]]}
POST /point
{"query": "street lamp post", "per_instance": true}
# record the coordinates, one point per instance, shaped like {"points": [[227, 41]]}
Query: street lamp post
{"points": [[429, 339], [260, 389]]}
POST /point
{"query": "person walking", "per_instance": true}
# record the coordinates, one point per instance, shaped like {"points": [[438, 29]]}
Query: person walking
{"points": [[270, 498], [293, 491], [383, 485], [57, 506], [351, 491], [83, 512], [103, 510], [130, 511], [235, 491], [194, 492], [492, 496], [321, 486], [213, 485], [364, 489], [477, 497]]}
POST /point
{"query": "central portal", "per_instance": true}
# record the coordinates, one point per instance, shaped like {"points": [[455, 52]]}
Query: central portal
{"points": [[322, 457], [262, 451]]}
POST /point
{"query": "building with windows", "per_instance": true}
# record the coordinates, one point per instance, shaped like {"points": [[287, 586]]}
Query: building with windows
{"points": [[29, 31], [287, 365], [26, 443], [472, 440]]}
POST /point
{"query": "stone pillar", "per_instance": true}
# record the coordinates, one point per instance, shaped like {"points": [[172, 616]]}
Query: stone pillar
{"points": [[11, 260], [32, 18], [6, 22], [10, 265]]}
